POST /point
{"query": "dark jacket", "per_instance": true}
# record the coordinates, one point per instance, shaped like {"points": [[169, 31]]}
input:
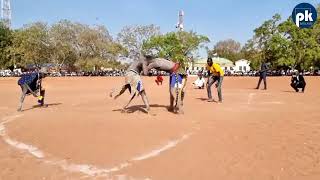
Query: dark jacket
{"points": [[263, 69], [298, 80]]}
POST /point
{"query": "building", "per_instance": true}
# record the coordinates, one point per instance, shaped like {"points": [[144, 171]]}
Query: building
{"points": [[242, 65], [201, 64]]}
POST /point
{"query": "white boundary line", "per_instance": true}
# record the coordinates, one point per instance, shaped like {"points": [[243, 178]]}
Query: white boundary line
{"points": [[87, 169]]}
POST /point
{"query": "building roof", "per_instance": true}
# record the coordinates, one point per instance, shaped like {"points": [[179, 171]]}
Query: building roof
{"points": [[221, 61], [243, 60]]}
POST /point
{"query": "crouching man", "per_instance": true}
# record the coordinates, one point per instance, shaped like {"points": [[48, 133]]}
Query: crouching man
{"points": [[31, 84], [298, 82]]}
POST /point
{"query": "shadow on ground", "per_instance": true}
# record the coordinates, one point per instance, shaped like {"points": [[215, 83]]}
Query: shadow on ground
{"points": [[202, 99], [291, 92], [44, 106], [140, 108]]}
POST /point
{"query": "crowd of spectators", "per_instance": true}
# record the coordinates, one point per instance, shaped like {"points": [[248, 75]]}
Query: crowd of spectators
{"points": [[113, 73]]}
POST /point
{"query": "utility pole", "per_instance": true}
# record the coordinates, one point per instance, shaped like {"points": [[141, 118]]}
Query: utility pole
{"points": [[6, 12], [180, 24]]}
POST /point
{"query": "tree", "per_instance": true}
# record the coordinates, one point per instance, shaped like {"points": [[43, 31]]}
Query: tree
{"points": [[284, 44], [266, 44], [264, 35], [299, 47], [83, 46], [133, 37], [64, 44], [177, 46], [5, 44], [96, 45], [251, 52], [31, 44], [229, 49], [316, 34]]}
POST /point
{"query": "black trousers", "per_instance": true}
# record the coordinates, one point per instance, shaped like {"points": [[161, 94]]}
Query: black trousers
{"points": [[298, 85], [264, 78]]}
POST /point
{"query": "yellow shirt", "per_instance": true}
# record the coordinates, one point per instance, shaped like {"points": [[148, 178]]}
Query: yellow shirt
{"points": [[215, 69]]}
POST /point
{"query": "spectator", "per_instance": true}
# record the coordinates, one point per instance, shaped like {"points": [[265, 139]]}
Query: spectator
{"points": [[297, 82], [263, 75], [200, 82]]}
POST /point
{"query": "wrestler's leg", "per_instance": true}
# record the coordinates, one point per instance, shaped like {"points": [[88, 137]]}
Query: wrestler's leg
{"points": [[145, 99], [118, 92]]}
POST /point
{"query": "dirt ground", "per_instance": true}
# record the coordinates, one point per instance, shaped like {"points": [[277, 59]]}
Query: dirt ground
{"points": [[253, 134]]}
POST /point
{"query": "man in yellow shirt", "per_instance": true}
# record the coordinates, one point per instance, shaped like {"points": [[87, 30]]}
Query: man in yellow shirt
{"points": [[215, 73]]}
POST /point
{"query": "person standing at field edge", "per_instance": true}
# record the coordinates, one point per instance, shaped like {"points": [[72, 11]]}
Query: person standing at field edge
{"points": [[263, 75]]}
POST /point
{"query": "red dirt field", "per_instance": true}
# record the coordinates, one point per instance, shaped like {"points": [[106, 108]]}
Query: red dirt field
{"points": [[252, 135]]}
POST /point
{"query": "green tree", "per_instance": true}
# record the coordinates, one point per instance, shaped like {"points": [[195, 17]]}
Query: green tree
{"points": [[300, 47], [75, 44], [251, 52], [284, 44], [5, 44], [264, 35], [229, 49], [178, 46], [31, 44], [316, 34], [266, 45]]}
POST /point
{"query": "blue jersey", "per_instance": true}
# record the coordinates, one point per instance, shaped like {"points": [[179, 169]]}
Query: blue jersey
{"points": [[28, 79], [32, 80], [175, 80]]}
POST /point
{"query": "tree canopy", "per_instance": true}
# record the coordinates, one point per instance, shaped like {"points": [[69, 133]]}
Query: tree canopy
{"points": [[284, 45], [177, 46], [65, 43]]}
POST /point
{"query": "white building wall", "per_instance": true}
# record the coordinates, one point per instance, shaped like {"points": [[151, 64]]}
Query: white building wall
{"points": [[242, 65]]}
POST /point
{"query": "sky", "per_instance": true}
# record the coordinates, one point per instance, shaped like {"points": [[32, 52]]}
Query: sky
{"points": [[218, 19]]}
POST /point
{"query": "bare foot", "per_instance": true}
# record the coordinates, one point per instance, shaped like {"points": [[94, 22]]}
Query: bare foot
{"points": [[147, 109], [171, 109], [44, 105], [111, 93], [180, 111], [124, 110]]}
